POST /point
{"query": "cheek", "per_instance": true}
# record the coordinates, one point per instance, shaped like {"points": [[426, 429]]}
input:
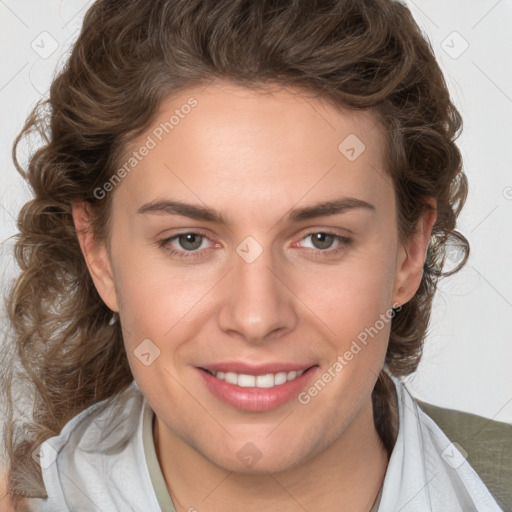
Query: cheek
{"points": [[154, 296], [352, 295], [358, 314]]}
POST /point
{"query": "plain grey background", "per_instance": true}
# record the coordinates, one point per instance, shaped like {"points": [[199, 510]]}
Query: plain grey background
{"points": [[468, 354]]}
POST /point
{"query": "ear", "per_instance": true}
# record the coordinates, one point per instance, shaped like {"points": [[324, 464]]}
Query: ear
{"points": [[411, 257], [95, 254]]}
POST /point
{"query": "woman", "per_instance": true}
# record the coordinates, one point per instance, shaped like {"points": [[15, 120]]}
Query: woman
{"points": [[239, 219]]}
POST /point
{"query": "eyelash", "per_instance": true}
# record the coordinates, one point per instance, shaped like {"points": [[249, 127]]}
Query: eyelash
{"points": [[164, 244]]}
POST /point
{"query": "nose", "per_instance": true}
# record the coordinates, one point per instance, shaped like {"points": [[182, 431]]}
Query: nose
{"points": [[257, 304]]}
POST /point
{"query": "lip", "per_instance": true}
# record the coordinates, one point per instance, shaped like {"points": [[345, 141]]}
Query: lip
{"points": [[256, 399]]}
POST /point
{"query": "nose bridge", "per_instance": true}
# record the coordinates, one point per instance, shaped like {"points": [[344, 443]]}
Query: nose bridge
{"points": [[258, 303]]}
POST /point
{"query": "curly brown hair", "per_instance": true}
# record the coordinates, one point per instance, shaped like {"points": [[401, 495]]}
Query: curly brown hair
{"points": [[129, 57]]}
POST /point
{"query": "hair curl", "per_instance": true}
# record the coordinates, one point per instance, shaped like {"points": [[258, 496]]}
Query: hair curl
{"points": [[129, 57]]}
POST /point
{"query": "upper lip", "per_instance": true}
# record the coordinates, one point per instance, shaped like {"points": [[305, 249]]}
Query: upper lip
{"points": [[256, 369]]}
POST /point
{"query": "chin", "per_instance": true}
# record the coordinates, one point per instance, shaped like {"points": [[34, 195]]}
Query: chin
{"points": [[259, 457]]}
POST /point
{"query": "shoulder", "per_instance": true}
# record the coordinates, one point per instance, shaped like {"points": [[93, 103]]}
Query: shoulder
{"points": [[98, 458], [488, 445], [101, 426]]}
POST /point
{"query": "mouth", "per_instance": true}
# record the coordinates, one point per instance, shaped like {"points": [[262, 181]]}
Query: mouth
{"points": [[259, 388]]}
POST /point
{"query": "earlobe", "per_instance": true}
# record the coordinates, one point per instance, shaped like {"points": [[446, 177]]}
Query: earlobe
{"points": [[95, 255], [411, 257]]}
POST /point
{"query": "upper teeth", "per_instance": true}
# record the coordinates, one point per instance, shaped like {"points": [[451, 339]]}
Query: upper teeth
{"points": [[260, 381]]}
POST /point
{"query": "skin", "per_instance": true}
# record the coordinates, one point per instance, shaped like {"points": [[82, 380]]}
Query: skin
{"points": [[253, 157]]}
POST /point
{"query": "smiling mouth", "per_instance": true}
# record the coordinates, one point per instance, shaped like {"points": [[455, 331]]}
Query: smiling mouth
{"points": [[268, 380]]}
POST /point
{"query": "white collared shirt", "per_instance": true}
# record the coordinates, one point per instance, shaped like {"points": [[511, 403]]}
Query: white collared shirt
{"points": [[98, 463]]}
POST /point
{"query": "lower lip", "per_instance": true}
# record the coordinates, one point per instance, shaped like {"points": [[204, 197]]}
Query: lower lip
{"points": [[256, 399]]}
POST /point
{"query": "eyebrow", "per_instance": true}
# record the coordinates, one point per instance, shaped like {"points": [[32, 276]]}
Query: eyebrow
{"points": [[205, 213]]}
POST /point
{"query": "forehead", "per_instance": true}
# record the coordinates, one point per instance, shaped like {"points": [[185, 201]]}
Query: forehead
{"points": [[276, 146]]}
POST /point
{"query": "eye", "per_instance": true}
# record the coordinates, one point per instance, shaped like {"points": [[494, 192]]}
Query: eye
{"points": [[322, 241], [187, 245]]}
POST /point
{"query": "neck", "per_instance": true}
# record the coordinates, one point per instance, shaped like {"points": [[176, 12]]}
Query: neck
{"points": [[346, 476]]}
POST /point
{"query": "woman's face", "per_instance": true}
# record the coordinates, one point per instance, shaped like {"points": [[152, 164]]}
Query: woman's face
{"points": [[255, 236]]}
